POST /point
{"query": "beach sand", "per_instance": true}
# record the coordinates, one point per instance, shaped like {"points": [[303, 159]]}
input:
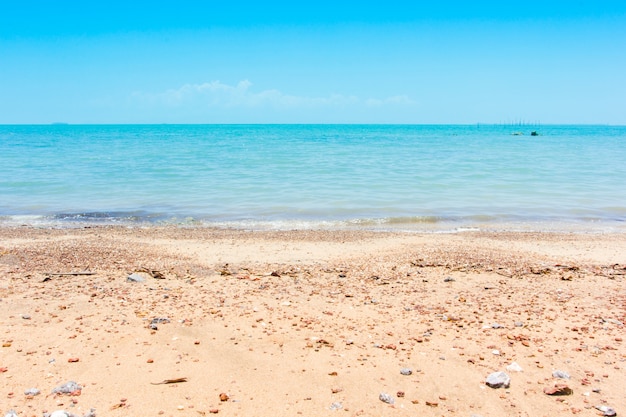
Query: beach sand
{"points": [[310, 323]]}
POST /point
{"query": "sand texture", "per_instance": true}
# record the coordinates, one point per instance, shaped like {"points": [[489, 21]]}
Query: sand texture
{"points": [[310, 323]]}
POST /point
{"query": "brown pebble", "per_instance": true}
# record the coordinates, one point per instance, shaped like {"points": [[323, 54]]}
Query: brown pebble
{"points": [[197, 342], [150, 360], [214, 411], [72, 360], [432, 403], [224, 397], [558, 389], [400, 394]]}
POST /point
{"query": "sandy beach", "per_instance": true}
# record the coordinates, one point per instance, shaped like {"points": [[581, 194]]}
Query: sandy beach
{"points": [[310, 323]]}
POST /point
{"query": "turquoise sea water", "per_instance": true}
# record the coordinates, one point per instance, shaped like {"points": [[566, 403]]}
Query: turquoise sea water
{"points": [[313, 176]]}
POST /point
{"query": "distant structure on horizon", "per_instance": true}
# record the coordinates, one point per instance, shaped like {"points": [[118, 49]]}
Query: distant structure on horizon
{"points": [[520, 122]]}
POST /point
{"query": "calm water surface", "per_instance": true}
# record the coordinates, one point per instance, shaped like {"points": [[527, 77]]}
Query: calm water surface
{"points": [[312, 176]]}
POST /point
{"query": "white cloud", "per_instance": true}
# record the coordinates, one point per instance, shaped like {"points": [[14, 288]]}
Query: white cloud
{"points": [[218, 94], [401, 100]]}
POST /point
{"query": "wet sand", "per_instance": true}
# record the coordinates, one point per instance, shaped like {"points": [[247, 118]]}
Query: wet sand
{"points": [[310, 323]]}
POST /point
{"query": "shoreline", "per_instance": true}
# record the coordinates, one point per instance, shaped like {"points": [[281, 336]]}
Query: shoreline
{"points": [[415, 225], [310, 322]]}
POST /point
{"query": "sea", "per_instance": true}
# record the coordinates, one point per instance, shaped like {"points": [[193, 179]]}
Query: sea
{"points": [[425, 178]]}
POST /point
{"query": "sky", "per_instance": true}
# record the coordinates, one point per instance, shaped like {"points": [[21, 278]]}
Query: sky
{"points": [[414, 62]]}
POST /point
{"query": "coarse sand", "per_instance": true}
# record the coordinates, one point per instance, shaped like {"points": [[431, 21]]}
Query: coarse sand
{"points": [[311, 323]]}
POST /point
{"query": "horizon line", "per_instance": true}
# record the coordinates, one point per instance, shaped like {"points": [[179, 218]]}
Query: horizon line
{"points": [[511, 124]]}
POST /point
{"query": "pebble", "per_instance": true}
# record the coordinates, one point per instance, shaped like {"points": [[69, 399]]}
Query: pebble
{"points": [[449, 279], [26, 316], [498, 380], [386, 398], [158, 320], [32, 391], [135, 278], [612, 321], [497, 326], [606, 411], [406, 371], [67, 388], [336, 406], [558, 389], [560, 374], [519, 324], [514, 367], [11, 413]]}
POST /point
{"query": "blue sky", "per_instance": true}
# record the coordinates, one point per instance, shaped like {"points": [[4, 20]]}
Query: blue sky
{"points": [[315, 62]]}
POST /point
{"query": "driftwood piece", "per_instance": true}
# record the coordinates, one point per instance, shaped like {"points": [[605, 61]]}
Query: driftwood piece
{"points": [[170, 381], [49, 275], [152, 272]]}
